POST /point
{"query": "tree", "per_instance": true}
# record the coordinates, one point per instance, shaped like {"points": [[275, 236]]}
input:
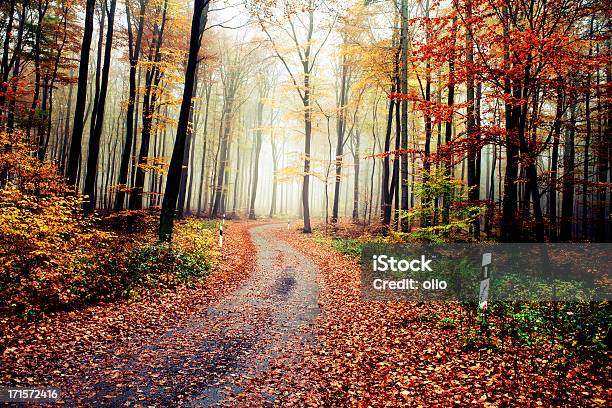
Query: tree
{"points": [[133, 55], [94, 139], [263, 91], [286, 20], [276, 152], [341, 124], [74, 157], [198, 23], [404, 16], [153, 78], [472, 135], [233, 78], [208, 86]]}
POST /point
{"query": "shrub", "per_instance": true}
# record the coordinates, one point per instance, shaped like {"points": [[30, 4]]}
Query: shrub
{"points": [[53, 256], [452, 223], [191, 255], [42, 230], [347, 246]]}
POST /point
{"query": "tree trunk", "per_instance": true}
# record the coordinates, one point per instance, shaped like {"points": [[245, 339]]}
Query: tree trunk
{"points": [[255, 179], [153, 79], [567, 203], [448, 129], [356, 163], [200, 14], [404, 90], [509, 228], [203, 178], [134, 54], [274, 183], [4, 64], [587, 144], [94, 139], [96, 94], [340, 132], [79, 112], [236, 178], [471, 132], [552, 207], [395, 181], [213, 193], [387, 195], [15, 60], [182, 203], [307, 140], [217, 208], [603, 163], [274, 168]]}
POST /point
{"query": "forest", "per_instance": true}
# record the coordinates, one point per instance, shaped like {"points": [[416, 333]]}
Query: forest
{"points": [[438, 117], [158, 157]]}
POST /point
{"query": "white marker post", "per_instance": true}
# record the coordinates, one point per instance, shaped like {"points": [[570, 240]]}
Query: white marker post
{"points": [[288, 224], [221, 232], [483, 296]]}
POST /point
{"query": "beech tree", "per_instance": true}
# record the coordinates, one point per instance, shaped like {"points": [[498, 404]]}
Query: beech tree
{"points": [[273, 19], [74, 156], [94, 139], [134, 46], [198, 23]]}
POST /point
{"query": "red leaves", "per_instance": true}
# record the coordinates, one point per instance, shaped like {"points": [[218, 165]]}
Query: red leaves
{"points": [[77, 349], [396, 354], [363, 353]]}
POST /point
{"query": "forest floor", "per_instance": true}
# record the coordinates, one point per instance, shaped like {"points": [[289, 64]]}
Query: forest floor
{"points": [[186, 348], [280, 322]]}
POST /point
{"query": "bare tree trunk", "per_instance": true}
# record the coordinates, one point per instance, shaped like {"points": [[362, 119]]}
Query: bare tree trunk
{"points": [[203, 178], [448, 129], [603, 164], [356, 163], [79, 112], [340, 132], [4, 64], [552, 208], [96, 94], [217, 208], [256, 163], [587, 145], [236, 178], [64, 147], [153, 79], [94, 139], [387, 195], [183, 203], [213, 193], [404, 226], [198, 23], [567, 203], [274, 168], [307, 140], [471, 132], [134, 55]]}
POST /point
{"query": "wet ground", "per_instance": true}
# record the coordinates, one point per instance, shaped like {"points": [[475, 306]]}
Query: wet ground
{"points": [[201, 360]]}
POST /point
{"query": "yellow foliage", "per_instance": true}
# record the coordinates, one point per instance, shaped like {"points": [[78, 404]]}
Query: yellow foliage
{"points": [[42, 230]]}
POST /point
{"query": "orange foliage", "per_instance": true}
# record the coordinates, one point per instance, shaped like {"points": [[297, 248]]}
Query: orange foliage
{"points": [[42, 230]]}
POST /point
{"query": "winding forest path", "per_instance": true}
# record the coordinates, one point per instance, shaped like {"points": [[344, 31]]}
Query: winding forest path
{"points": [[196, 362]]}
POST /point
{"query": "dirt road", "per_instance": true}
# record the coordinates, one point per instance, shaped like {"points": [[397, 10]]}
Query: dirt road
{"points": [[198, 361]]}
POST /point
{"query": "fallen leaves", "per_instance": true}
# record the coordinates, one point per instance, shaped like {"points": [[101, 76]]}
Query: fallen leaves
{"points": [[165, 349], [77, 350], [375, 354]]}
